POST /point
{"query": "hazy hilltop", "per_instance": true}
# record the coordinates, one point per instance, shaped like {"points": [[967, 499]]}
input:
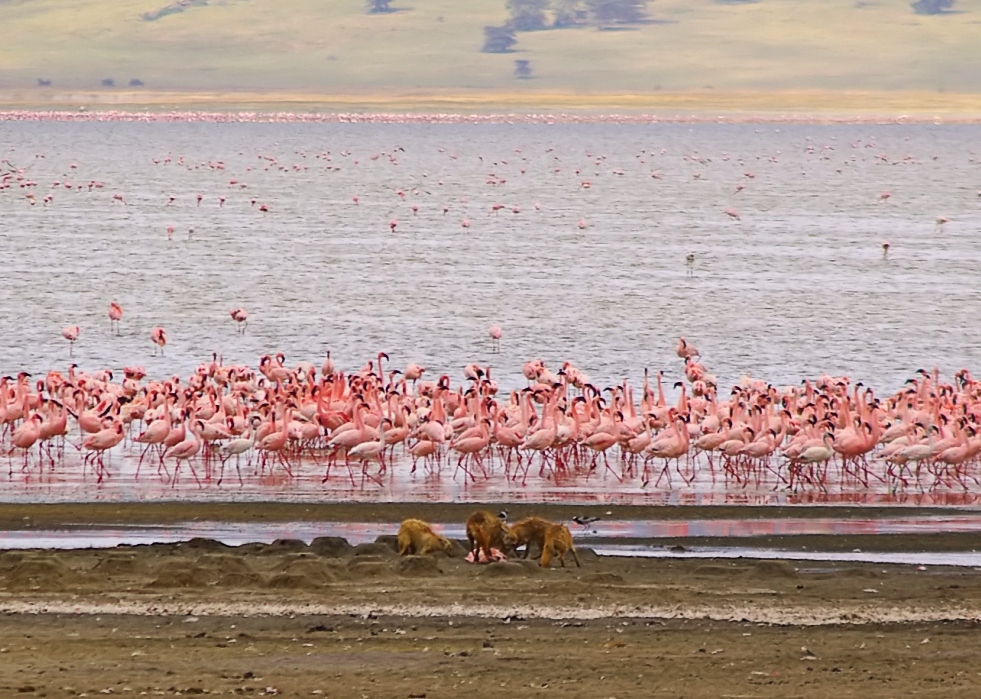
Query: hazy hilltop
{"points": [[601, 46]]}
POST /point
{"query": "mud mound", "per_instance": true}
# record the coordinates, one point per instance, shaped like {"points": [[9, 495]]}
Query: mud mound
{"points": [[603, 579], [292, 581], [199, 544], [367, 569], [9, 559], [390, 540], [774, 569], [120, 565], [284, 546], [187, 577], [224, 563], [718, 570], [331, 546], [243, 580], [251, 549], [374, 549], [47, 573], [418, 567], [586, 555], [311, 568], [509, 569]]}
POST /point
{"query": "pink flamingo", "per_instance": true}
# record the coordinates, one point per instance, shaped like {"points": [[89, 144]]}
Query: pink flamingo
{"points": [[27, 434], [495, 336], [240, 316], [70, 333], [115, 315], [185, 451], [101, 442], [159, 338]]}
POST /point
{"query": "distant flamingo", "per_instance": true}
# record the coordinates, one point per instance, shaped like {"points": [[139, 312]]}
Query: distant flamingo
{"points": [[685, 350], [159, 338], [240, 316], [115, 315], [70, 333], [495, 336]]}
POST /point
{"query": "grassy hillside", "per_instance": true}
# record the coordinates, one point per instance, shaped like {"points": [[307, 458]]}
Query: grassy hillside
{"points": [[433, 45]]}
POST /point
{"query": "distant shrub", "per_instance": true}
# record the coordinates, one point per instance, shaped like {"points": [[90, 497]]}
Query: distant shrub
{"points": [[498, 40], [527, 15], [931, 7], [108, 82], [379, 7], [136, 82], [569, 13], [617, 11], [522, 69], [172, 9], [42, 82]]}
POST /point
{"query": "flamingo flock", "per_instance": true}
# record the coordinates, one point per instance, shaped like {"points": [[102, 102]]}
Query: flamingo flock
{"points": [[367, 423]]}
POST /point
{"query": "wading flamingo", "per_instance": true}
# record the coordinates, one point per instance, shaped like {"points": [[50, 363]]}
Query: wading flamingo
{"points": [[159, 338], [115, 315], [70, 333]]}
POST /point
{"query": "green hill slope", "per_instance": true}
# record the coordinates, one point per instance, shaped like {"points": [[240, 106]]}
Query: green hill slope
{"points": [[432, 45]]}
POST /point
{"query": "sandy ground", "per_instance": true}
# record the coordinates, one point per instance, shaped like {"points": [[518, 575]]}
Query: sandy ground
{"points": [[338, 621]]}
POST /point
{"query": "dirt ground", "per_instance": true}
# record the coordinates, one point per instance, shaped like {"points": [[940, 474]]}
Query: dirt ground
{"points": [[328, 619]]}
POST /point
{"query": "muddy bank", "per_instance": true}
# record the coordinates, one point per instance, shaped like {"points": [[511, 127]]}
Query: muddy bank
{"points": [[335, 620], [943, 542], [331, 576], [384, 657], [59, 515]]}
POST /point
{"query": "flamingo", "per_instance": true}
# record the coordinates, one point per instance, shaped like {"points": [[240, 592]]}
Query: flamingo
{"points": [[185, 451], [159, 338], [70, 333], [240, 316], [115, 315], [495, 336]]}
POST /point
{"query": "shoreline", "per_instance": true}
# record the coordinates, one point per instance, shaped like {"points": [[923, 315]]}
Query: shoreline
{"points": [[789, 107], [21, 516]]}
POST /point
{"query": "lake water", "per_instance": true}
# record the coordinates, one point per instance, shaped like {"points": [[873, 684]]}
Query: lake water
{"points": [[796, 286]]}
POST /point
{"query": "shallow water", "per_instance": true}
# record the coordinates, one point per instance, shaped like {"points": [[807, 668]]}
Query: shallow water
{"points": [[794, 288], [125, 480], [238, 533]]}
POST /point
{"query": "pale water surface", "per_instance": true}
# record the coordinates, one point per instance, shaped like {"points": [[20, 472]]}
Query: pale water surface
{"points": [[794, 287]]}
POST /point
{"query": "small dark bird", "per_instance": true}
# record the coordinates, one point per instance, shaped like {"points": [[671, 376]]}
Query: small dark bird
{"points": [[585, 521]]}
